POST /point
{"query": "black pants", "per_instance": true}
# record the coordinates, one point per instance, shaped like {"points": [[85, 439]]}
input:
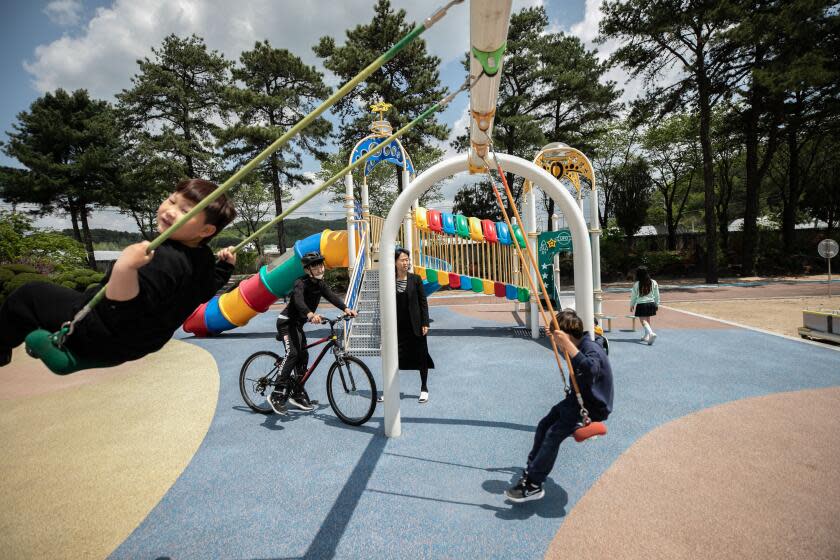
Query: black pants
{"points": [[297, 356], [560, 422], [40, 305]]}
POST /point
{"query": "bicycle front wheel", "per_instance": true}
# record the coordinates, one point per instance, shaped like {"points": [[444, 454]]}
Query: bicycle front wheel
{"points": [[256, 380], [351, 390]]}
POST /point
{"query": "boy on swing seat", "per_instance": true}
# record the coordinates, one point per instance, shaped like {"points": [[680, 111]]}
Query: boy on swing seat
{"points": [[147, 296], [594, 377]]}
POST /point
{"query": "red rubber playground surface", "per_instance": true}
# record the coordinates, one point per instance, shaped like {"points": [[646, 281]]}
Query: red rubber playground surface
{"points": [[724, 443]]}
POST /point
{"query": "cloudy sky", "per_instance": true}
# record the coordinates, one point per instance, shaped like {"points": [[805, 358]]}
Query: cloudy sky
{"points": [[94, 44]]}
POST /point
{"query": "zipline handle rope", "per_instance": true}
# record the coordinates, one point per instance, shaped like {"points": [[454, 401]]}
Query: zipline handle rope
{"points": [[68, 327], [467, 85]]}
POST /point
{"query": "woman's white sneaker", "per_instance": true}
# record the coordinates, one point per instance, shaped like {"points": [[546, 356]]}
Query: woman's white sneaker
{"points": [[424, 397]]}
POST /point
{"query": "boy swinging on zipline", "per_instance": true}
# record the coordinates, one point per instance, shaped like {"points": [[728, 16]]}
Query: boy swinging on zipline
{"points": [[148, 296]]}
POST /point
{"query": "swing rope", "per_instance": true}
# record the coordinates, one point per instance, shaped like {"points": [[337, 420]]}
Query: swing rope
{"points": [[533, 265], [67, 328], [525, 266]]}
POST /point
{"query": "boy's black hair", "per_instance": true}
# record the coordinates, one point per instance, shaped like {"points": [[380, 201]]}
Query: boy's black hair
{"points": [[570, 323], [218, 213]]}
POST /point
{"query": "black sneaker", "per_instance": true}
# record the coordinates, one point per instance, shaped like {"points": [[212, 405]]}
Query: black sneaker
{"points": [[301, 401], [522, 479], [5, 356], [524, 491], [275, 399]]}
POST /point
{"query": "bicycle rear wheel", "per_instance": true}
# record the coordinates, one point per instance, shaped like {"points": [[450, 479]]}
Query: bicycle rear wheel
{"points": [[256, 379], [351, 390]]}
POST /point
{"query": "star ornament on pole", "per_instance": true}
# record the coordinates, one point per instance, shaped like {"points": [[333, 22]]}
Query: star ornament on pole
{"points": [[380, 107]]}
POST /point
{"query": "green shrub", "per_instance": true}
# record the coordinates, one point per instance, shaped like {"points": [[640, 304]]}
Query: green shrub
{"points": [[53, 248], [338, 279], [24, 278], [19, 268], [664, 263], [5, 275], [246, 262], [78, 278]]}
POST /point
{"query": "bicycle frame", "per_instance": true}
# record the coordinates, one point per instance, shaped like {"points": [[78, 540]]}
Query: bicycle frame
{"points": [[331, 340]]}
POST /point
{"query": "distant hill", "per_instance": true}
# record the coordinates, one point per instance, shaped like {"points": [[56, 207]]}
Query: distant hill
{"points": [[110, 236], [296, 228]]}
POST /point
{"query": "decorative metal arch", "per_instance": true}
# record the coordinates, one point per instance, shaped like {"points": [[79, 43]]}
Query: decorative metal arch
{"points": [[393, 153], [563, 161]]}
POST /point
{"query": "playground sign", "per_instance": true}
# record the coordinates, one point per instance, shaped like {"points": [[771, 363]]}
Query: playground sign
{"points": [[553, 242], [550, 243], [828, 250]]}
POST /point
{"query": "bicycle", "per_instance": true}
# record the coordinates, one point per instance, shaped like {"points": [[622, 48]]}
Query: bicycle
{"points": [[350, 386]]}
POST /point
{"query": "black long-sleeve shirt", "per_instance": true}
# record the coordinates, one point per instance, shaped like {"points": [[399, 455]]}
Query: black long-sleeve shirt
{"points": [[176, 281], [306, 295]]}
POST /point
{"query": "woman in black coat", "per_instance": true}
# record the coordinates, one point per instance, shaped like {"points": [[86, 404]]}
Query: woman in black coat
{"points": [[412, 322]]}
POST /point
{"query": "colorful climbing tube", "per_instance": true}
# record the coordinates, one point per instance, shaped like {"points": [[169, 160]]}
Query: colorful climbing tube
{"points": [[274, 280]]}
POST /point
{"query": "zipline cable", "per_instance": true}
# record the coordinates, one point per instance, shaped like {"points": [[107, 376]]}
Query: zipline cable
{"points": [[468, 84]]}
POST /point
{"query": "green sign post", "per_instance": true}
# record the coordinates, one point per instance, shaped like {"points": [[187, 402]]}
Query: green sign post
{"points": [[549, 244]]}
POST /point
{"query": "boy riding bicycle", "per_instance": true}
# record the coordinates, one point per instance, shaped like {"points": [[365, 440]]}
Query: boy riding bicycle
{"points": [[303, 303]]}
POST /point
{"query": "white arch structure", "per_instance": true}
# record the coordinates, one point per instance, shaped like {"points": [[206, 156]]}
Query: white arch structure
{"points": [[387, 282]]}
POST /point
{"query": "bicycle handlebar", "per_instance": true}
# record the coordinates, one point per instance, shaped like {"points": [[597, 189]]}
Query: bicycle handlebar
{"points": [[342, 317]]}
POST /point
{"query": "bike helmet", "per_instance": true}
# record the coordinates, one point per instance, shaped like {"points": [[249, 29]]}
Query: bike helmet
{"points": [[313, 257]]}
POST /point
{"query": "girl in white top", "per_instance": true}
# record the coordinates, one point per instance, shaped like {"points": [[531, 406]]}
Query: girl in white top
{"points": [[644, 301]]}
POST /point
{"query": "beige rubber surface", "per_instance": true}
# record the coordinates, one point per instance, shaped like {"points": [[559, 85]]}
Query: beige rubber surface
{"points": [[783, 316], [756, 478], [82, 464]]}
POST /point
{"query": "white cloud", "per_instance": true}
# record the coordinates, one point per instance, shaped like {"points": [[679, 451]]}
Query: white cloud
{"points": [[64, 12], [101, 57], [459, 128], [587, 31]]}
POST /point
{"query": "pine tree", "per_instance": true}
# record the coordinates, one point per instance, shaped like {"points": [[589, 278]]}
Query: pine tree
{"points": [[410, 82], [658, 36], [175, 100], [279, 90], [69, 146]]}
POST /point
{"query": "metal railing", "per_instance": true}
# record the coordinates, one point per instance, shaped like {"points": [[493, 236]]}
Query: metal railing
{"points": [[491, 261], [351, 299], [376, 225]]}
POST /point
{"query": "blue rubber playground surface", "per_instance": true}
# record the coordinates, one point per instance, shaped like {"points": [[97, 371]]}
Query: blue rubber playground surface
{"points": [[305, 485]]}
